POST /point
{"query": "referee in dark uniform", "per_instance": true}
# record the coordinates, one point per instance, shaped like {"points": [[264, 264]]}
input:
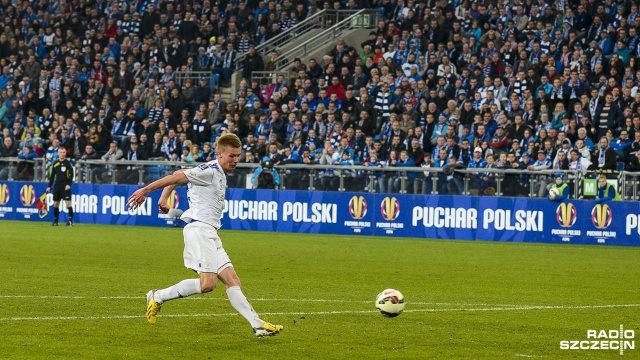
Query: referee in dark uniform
{"points": [[62, 172]]}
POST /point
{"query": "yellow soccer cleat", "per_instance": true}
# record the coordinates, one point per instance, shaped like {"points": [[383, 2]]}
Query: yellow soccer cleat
{"points": [[268, 329], [153, 307]]}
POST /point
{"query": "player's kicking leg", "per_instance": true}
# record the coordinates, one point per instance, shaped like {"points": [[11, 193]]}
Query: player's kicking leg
{"points": [[241, 304]]}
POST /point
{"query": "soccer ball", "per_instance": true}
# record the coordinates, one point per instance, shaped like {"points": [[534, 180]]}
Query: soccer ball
{"points": [[390, 302], [554, 191]]}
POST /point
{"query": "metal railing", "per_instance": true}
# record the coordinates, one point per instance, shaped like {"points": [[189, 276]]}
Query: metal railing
{"points": [[365, 18], [323, 19], [23, 169], [357, 178], [630, 185], [270, 76], [181, 76], [315, 21]]}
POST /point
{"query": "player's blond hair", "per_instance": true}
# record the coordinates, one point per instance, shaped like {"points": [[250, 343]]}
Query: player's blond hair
{"points": [[228, 140]]}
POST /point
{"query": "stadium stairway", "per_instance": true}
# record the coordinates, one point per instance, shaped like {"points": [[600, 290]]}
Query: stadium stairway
{"points": [[292, 44], [229, 93], [352, 38]]}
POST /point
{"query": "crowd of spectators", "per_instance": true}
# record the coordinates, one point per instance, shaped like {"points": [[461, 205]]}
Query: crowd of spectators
{"points": [[529, 85]]}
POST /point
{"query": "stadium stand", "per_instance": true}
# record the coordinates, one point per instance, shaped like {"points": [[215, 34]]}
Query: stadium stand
{"points": [[531, 86]]}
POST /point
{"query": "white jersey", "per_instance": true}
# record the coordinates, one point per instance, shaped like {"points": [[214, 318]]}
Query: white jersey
{"points": [[205, 192]]}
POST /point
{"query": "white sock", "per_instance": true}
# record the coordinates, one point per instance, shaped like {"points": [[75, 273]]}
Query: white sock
{"points": [[182, 289], [241, 304]]}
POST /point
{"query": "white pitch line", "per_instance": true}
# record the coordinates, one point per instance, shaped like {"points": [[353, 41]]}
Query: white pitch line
{"points": [[53, 297], [66, 297], [538, 307], [541, 307]]}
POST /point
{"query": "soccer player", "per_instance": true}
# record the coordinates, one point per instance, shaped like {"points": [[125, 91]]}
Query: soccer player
{"points": [[63, 172], [203, 250]]}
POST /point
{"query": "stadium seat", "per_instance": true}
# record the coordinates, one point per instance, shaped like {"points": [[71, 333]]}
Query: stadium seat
{"points": [[216, 81], [155, 172]]}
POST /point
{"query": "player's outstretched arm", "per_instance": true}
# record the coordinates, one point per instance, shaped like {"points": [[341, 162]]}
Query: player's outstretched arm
{"points": [[138, 197]]}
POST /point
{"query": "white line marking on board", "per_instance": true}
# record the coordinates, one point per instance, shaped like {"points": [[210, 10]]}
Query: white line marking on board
{"points": [[578, 307]]}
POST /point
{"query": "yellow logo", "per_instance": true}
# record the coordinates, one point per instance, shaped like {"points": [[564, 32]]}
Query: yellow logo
{"points": [[566, 215], [358, 207], [174, 200], [601, 216], [27, 195], [390, 208], [4, 194]]}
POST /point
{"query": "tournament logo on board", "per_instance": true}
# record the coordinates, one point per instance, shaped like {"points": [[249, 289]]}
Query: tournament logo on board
{"points": [[566, 215], [4, 194], [357, 210], [27, 195], [358, 207], [174, 200], [390, 208], [601, 216]]}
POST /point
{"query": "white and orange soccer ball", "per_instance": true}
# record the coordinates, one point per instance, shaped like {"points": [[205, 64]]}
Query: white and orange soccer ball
{"points": [[390, 303]]}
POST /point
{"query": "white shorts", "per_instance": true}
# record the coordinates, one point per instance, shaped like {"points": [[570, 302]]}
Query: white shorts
{"points": [[203, 251]]}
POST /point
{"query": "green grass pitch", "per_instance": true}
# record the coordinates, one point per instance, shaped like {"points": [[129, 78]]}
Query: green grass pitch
{"points": [[78, 293]]}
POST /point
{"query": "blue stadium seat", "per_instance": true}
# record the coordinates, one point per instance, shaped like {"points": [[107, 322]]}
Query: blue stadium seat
{"points": [[620, 166], [216, 81], [155, 172]]}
